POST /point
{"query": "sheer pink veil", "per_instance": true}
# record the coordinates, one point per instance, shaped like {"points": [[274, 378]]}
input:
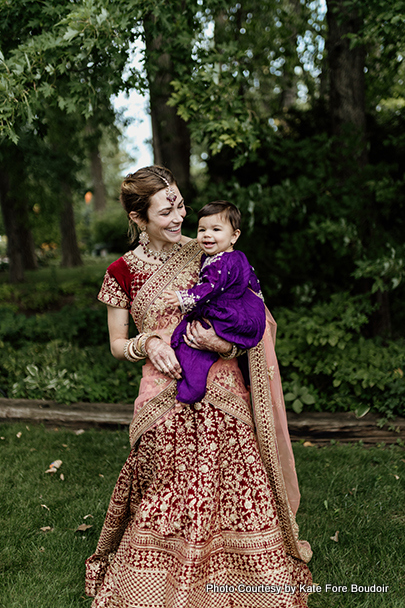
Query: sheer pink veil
{"points": [[284, 448]]}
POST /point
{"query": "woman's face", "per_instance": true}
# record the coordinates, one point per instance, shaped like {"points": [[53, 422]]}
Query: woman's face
{"points": [[164, 219]]}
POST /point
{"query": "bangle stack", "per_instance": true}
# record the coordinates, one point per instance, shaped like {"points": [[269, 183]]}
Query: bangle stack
{"points": [[134, 348], [232, 353]]}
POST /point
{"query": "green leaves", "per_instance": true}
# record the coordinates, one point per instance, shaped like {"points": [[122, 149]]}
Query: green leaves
{"points": [[354, 374], [387, 271], [299, 395], [67, 373], [75, 52]]}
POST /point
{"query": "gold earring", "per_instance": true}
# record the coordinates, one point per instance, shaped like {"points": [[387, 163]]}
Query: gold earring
{"points": [[143, 236]]}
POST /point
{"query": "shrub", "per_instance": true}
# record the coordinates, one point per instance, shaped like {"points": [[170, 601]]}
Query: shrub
{"points": [[322, 350], [82, 326], [67, 373]]}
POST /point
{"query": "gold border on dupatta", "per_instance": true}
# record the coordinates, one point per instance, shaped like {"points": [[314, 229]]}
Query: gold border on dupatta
{"points": [[150, 413], [229, 403], [166, 273], [267, 441]]}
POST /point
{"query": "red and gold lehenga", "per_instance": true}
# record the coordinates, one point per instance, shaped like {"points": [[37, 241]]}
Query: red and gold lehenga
{"points": [[203, 512]]}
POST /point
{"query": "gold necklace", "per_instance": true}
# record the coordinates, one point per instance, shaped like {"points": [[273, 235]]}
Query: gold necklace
{"points": [[162, 255]]}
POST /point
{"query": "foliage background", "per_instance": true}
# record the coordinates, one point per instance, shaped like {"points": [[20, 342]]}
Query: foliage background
{"points": [[292, 109]]}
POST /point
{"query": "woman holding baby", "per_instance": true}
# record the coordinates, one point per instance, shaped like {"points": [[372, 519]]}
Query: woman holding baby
{"points": [[207, 497]]}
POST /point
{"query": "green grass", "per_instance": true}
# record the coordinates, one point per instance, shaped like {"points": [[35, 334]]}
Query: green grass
{"points": [[347, 488]]}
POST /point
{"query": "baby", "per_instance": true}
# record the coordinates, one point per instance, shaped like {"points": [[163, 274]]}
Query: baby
{"points": [[227, 294]]}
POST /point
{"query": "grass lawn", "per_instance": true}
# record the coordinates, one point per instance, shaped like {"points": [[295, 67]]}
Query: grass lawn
{"points": [[357, 491]]}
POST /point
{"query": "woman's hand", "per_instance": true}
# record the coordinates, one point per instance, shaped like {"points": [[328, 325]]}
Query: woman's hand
{"points": [[205, 339], [163, 357]]}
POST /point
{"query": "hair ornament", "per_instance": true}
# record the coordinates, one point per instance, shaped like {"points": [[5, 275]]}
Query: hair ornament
{"points": [[171, 196]]}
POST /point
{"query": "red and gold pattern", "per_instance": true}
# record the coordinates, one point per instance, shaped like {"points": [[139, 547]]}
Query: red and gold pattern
{"points": [[193, 506], [200, 500]]}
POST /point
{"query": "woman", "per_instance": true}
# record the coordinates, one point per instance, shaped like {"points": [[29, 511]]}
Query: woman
{"points": [[202, 514]]}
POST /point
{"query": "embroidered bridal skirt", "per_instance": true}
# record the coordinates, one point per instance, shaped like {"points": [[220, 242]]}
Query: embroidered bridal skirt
{"points": [[192, 523]]}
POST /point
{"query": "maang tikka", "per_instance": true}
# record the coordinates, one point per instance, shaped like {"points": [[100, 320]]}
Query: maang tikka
{"points": [[171, 196]]}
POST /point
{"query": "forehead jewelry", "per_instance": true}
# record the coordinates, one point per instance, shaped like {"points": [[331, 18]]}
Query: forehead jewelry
{"points": [[171, 196]]}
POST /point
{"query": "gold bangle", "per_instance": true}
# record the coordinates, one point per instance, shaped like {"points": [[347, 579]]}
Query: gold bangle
{"points": [[142, 342], [232, 353], [132, 351], [129, 352]]}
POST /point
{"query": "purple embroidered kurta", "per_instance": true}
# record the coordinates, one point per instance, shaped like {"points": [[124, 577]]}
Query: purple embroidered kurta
{"points": [[228, 295]]}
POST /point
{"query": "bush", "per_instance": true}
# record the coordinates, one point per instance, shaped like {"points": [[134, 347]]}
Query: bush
{"points": [[325, 359], [67, 373], [81, 326]]}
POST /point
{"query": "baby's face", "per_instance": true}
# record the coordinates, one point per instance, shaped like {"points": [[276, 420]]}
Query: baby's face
{"points": [[215, 234]]}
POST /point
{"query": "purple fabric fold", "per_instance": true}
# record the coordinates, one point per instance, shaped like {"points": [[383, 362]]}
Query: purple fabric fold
{"points": [[227, 295]]}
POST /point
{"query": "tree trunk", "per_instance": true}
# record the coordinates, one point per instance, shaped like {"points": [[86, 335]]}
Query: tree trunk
{"points": [[70, 250], [20, 242], [171, 138], [100, 198], [10, 215], [289, 79], [381, 318], [346, 69], [28, 248]]}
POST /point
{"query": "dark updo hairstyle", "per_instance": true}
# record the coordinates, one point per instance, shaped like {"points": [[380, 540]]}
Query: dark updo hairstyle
{"points": [[138, 188], [230, 212]]}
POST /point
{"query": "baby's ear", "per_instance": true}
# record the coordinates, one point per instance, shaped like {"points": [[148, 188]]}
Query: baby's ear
{"points": [[235, 237]]}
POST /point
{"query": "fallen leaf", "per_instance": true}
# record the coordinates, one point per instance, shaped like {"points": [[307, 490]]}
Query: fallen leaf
{"points": [[396, 476], [19, 435], [100, 475], [2, 438], [83, 527], [336, 537], [55, 464], [86, 516], [28, 428], [62, 477], [33, 450], [308, 444], [45, 507], [79, 432], [64, 445], [47, 529], [42, 549]]}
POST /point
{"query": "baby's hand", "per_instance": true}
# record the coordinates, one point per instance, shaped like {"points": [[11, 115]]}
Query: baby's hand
{"points": [[171, 298]]}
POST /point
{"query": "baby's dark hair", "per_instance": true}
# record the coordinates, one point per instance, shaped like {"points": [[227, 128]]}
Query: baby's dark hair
{"points": [[229, 210]]}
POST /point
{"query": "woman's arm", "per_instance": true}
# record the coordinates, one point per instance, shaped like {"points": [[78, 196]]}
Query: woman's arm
{"points": [[118, 324], [160, 354]]}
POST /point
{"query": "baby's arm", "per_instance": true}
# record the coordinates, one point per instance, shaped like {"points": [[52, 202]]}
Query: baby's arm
{"points": [[171, 297]]}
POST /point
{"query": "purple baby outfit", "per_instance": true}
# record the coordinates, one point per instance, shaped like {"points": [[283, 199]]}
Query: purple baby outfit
{"points": [[227, 295]]}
